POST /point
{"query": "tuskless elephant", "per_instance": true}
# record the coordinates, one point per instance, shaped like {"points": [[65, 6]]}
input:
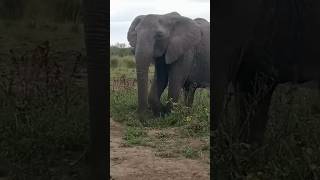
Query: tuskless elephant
{"points": [[179, 47], [276, 40]]}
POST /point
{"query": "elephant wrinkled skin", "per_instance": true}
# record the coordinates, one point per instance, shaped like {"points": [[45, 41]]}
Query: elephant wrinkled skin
{"points": [[179, 47]]}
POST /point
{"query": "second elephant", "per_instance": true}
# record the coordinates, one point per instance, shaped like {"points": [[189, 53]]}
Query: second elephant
{"points": [[179, 47]]}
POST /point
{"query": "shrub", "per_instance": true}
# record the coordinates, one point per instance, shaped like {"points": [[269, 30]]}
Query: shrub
{"points": [[114, 62], [129, 62]]}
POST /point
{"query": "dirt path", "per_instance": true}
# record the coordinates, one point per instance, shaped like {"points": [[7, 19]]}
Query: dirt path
{"points": [[140, 162]]}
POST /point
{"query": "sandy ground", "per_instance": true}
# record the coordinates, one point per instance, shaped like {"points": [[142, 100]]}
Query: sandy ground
{"points": [[139, 162]]}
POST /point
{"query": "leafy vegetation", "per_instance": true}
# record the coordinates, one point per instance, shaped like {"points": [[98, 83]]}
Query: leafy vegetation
{"points": [[120, 49]]}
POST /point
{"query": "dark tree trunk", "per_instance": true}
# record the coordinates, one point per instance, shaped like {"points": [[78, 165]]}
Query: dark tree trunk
{"points": [[96, 40]]}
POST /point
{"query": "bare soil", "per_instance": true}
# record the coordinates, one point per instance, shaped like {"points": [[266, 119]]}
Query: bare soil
{"points": [[141, 162]]}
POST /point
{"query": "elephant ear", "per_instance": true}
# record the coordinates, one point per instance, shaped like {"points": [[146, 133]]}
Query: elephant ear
{"points": [[132, 34], [185, 34], [201, 21]]}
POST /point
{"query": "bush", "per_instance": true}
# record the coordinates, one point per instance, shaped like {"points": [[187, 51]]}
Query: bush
{"points": [[119, 50], [129, 62], [114, 62]]}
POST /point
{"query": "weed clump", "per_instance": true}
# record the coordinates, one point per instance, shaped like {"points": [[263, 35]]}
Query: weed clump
{"points": [[129, 62], [114, 62]]}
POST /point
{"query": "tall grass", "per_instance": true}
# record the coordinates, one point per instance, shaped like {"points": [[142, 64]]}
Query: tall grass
{"points": [[291, 146], [43, 112], [122, 61]]}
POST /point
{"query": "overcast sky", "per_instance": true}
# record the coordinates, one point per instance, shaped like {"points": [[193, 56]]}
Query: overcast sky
{"points": [[122, 13]]}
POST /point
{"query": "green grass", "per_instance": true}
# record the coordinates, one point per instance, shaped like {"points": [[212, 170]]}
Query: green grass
{"points": [[193, 121], [135, 136], [124, 103], [190, 153]]}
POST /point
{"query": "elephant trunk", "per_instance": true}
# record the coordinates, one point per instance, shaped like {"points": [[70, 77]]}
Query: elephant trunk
{"points": [[143, 59]]}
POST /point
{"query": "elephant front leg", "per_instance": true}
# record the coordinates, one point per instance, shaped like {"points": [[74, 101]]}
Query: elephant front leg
{"points": [[156, 90], [158, 85]]}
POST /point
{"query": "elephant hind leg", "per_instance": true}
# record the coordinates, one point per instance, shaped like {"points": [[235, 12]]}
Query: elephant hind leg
{"points": [[189, 91], [260, 119], [174, 89], [186, 92], [178, 73], [253, 115]]}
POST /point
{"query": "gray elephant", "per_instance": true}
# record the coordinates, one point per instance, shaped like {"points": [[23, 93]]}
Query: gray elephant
{"points": [[272, 39], [179, 47]]}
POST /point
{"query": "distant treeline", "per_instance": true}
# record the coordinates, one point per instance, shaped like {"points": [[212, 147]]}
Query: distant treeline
{"points": [[120, 49], [57, 10]]}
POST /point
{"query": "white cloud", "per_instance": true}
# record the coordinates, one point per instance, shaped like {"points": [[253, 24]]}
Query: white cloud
{"points": [[122, 12]]}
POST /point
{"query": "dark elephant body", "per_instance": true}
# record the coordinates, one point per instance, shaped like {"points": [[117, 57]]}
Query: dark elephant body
{"points": [[200, 72], [96, 41], [179, 47], [276, 39]]}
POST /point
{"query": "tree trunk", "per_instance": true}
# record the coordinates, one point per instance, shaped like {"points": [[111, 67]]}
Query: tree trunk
{"points": [[96, 40]]}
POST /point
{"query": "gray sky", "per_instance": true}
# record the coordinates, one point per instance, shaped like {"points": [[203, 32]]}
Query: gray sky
{"points": [[122, 13]]}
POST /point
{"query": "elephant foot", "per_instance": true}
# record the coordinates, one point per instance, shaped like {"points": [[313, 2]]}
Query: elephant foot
{"points": [[155, 108], [165, 111], [143, 113], [156, 113], [160, 111]]}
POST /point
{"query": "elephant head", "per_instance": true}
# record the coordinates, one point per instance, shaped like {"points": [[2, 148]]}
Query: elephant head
{"points": [[159, 37]]}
